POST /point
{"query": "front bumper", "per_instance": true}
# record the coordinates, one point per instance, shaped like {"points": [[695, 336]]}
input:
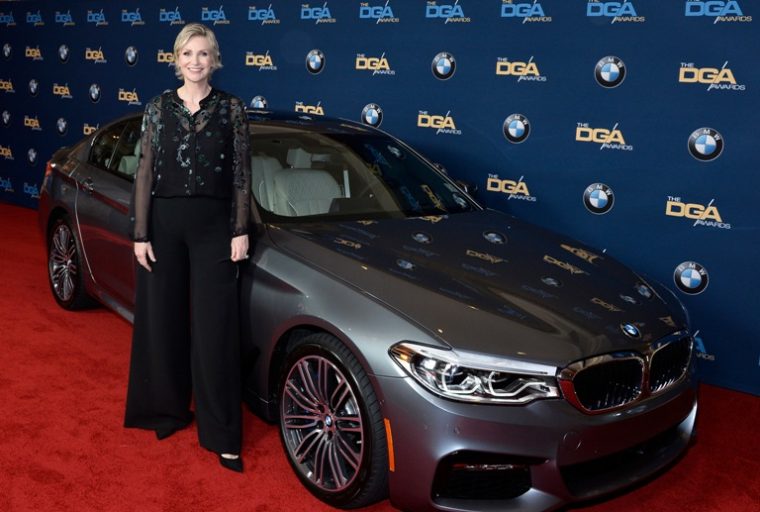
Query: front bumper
{"points": [[529, 458]]}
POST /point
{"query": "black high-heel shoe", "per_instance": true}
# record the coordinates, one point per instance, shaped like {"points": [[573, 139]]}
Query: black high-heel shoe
{"points": [[232, 464]]}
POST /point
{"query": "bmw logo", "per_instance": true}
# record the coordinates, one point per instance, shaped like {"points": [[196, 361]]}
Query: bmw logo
{"points": [[315, 62], [130, 55], [95, 93], [259, 102], [422, 238], [644, 290], [705, 144], [31, 156], [63, 53], [34, 87], [495, 237], [550, 281], [62, 125], [610, 71], [444, 65], [406, 265], [6, 118], [598, 198], [516, 128], [7, 50], [630, 330], [691, 277], [372, 115]]}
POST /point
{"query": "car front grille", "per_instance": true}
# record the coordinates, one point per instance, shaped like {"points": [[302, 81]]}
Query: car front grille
{"points": [[603, 383]]}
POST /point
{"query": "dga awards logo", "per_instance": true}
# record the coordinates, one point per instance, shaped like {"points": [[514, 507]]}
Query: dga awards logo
{"points": [[88, 129], [163, 57], [304, 108], [32, 190], [514, 189], [516, 128], [64, 18], [215, 16], [33, 53], [598, 198], [380, 13], [171, 17], [7, 19], [7, 86], [442, 124], [94, 93], [265, 16], [610, 71], [62, 126], [378, 65], [263, 62], [34, 87], [715, 79], [130, 55], [616, 12], [64, 53], [524, 71], [32, 123], [315, 62], [134, 18], [129, 97], [444, 66], [721, 11], [259, 102], [608, 139], [317, 14], [6, 153], [450, 13], [527, 12], [96, 56], [372, 115], [690, 277], [703, 215], [62, 91], [6, 185], [34, 18], [97, 18], [705, 144]]}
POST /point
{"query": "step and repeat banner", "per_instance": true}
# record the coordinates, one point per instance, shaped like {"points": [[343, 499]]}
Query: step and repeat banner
{"points": [[630, 125]]}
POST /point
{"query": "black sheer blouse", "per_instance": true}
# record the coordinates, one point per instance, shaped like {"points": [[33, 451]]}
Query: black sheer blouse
{"points": [[185, 155]]}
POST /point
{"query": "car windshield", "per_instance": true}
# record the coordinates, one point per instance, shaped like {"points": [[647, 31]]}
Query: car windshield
{"points": [[345, 173]]}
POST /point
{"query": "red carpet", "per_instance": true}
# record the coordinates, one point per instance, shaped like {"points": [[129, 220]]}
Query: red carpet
{"points": [[62, 446]]}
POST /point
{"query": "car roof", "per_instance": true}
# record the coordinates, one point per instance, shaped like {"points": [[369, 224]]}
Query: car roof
{"points": [[307, 122]]}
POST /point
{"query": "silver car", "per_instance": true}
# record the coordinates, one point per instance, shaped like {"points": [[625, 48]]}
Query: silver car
{"points": [[409, 342]]}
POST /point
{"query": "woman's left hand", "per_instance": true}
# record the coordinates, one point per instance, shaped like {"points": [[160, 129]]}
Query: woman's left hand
{"points": [[239, 247]]}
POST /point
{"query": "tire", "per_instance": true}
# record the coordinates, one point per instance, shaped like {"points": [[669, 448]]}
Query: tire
{"points": [[331, 425], [65, 267]]}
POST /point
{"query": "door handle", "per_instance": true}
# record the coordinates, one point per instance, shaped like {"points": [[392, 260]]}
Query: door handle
{"points": [[88, 184]]}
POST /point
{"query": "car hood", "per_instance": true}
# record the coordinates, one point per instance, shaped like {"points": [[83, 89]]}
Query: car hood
{"points": [[490, 283]]}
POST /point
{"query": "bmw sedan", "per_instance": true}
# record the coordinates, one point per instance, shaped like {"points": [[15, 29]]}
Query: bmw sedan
{"points": [[409, 342]]}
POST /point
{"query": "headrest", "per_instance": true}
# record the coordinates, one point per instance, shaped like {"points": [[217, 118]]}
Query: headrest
{"points": [[298, 158]]}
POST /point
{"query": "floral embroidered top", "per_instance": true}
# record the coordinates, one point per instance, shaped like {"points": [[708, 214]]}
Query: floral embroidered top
{"points": [[185, 155]]}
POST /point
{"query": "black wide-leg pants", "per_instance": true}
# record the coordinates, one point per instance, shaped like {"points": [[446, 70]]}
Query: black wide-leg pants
{"points": [[186, 340]]}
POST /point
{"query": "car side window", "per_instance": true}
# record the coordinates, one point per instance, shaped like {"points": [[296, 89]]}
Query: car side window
{"points": [[117, 149], [102, 150], [127, 151]]}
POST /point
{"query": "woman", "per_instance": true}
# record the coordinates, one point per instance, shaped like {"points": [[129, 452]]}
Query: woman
{"points": [[190, 212]]}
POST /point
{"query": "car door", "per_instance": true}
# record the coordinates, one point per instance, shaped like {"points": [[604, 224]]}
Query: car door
{"points": [[104, 186]]}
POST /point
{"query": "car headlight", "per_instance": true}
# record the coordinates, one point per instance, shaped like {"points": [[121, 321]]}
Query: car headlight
{"points": [[471, 377]]}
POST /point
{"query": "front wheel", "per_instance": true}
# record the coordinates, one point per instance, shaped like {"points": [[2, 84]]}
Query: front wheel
{"points": [[331, 425]]}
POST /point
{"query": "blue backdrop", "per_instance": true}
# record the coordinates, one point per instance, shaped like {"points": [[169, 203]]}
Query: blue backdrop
{"points": [[626, 124]]}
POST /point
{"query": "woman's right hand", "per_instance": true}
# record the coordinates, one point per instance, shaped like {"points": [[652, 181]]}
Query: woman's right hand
{"points": [[143, 253]]}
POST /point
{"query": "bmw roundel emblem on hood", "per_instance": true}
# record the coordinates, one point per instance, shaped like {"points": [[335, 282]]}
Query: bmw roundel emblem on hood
{"points": [[631, 330]]}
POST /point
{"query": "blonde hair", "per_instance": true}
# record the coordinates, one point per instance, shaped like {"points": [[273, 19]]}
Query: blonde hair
{"points": [[192, 30]]}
